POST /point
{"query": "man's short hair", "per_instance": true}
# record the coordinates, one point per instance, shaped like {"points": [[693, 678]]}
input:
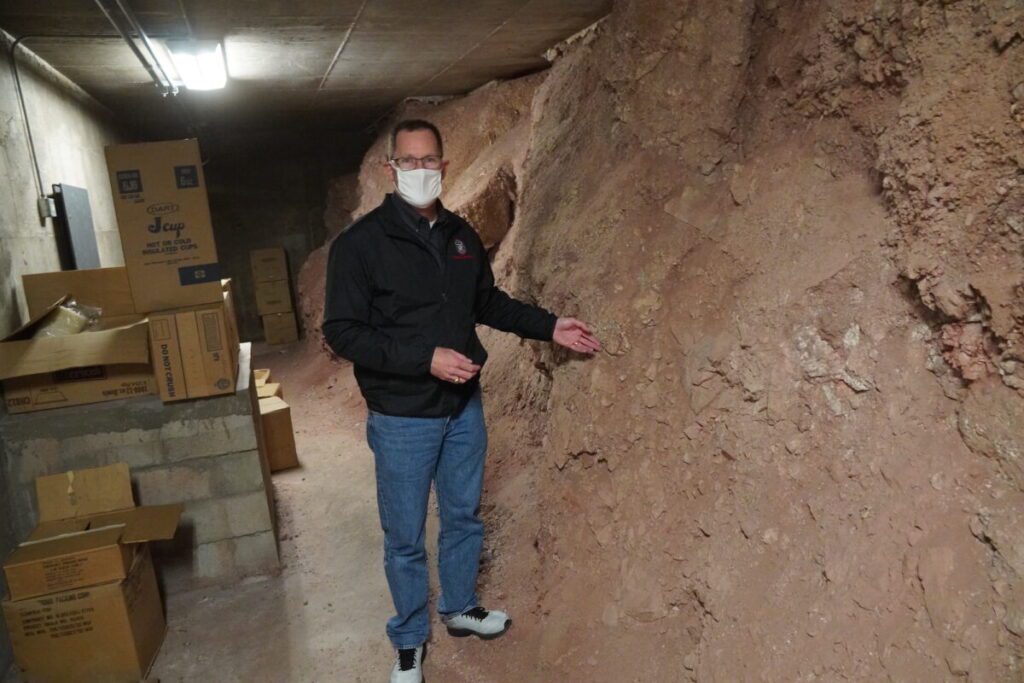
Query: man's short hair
{"points": [[409, 125]]}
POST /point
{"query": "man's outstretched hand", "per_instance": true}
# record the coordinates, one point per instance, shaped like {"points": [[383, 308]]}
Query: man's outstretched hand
{"points": [[449, 365], [576, 335]]}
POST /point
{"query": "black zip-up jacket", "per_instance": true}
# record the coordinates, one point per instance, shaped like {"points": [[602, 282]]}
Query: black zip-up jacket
{"points": [[396, 291]]}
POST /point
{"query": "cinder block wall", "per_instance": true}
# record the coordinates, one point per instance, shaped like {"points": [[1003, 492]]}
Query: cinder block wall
{"points": [[202, 453]]}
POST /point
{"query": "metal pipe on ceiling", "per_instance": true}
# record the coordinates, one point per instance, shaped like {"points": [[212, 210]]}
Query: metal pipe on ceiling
{"points": [[152, 64], [130, 16]]}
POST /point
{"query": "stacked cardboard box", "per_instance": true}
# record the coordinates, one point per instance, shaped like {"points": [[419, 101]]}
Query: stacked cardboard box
{"points": [[195, 349], [270, 389], [82, 598], [163, 217], [276, 437], [274, 295]]}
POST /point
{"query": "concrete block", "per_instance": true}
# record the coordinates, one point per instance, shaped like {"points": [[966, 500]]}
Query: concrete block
{"points": [[146, 413], [163, 485], [138, 455], [41, 456], [23, 518], [237, 473], [221, 518], [187, 439], [133, 443], [236, 557], [33, 458], [256, 554]]}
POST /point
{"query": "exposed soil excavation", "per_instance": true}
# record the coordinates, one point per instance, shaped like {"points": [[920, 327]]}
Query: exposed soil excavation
{"points": [[798, 229]]}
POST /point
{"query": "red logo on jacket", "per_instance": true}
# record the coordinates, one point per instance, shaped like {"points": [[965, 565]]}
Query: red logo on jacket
{"points": [[460, 250]]}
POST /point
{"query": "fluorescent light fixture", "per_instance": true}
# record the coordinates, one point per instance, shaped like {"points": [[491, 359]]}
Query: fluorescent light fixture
{"points": [[198, 63]]}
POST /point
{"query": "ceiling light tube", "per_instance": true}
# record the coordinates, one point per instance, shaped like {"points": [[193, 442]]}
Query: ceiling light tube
{"points": [[200, 64]]}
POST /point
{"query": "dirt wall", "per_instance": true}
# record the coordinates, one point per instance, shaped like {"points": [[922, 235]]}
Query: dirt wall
{"points": [[798, 229]]}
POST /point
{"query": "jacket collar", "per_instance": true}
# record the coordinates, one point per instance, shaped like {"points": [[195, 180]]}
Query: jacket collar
{"points": [[402, 218]]}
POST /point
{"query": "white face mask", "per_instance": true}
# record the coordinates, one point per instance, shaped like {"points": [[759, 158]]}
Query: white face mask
{"points": [[420, 187]]}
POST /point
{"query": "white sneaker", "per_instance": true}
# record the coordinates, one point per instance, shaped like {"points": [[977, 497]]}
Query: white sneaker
{"points": [[478, 622], [408, 666]]}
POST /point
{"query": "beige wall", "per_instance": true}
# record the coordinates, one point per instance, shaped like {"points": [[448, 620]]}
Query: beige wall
{"points": [[70, 130]]}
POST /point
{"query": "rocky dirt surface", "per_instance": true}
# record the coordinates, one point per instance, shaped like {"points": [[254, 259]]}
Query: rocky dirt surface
{"points": [[798, 228]]}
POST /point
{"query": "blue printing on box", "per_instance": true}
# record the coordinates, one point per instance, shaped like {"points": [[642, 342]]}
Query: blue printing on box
{"points": [[197, 275]]}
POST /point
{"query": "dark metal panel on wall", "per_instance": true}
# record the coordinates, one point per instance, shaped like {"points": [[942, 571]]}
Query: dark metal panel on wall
{"points": [[76, 238]]}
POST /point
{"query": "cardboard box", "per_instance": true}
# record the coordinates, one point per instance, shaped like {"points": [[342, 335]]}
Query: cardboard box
{"points": [[110, 632], [280, 328], [195, 349], [104, 364], [278, 436], [88, 533], [262, 376], [257, 427], [274, 296], [268, 264], [164, 219], [270, 389], [104, 288]]}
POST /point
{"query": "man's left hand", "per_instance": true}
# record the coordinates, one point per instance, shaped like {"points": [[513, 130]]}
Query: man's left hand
{"points": [[576, 335]]}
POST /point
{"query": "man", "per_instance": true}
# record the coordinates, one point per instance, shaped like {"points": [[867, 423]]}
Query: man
{"points": [[406, 286]]}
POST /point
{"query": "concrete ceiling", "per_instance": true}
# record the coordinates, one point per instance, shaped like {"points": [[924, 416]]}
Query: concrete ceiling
{"points": [[294, 62]]}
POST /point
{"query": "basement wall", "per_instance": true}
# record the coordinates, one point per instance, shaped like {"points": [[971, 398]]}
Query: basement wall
{"points": [[271, 198], [70, 130]]}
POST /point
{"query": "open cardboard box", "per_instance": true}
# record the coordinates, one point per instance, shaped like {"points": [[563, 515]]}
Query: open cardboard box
{"points": [[88, 532], [107, 363], [84, 603], [110, 632], [105, 288]]}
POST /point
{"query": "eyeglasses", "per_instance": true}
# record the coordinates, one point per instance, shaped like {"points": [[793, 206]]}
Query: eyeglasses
{"points": [[431, 162]]}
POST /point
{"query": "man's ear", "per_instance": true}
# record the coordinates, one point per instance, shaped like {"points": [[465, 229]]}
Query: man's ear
{"points": [[444, 168]]}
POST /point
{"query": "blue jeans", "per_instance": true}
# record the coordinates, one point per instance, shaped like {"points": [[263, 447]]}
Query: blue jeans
{"points": [[409, 453]]}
